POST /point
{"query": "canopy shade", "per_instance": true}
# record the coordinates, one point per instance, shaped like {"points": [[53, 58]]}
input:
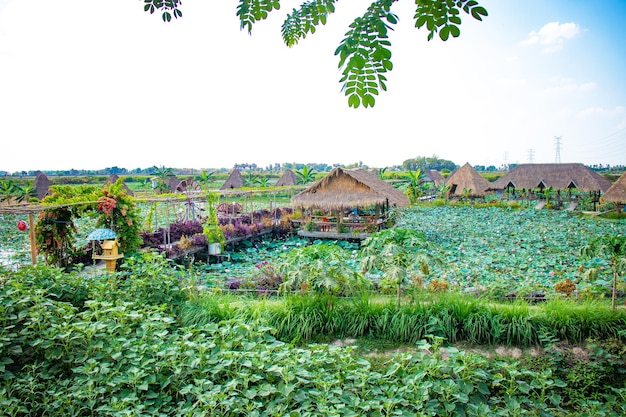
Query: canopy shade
{"points": [[101, 234]]}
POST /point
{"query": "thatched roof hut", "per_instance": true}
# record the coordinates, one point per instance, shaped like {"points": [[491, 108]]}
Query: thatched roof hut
{"points": [[114, 177], [557, 176], [349, 188], [172, 183], [42, 185], [467, 178], [288, 178], [434, 176], [616, 192], [234, 180]]}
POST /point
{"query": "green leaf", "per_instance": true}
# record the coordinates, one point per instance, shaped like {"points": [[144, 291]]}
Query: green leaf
{"points": [[479, 12], [455, 31], [354, 101], [444, 33]]}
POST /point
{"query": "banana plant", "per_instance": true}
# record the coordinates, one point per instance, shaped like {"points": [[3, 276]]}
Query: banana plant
{"points": [[305, 175], [25, 192], [7, 190], [262, 181], [162, 176], [205, 178], [416, 179]]}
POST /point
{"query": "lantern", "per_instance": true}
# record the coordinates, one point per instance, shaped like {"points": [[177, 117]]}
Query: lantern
{"points": [[21, 225]]}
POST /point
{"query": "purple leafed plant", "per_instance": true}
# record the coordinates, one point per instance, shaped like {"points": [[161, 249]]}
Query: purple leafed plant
{"points": [[185, 227], [233, 283], [199, 240]]}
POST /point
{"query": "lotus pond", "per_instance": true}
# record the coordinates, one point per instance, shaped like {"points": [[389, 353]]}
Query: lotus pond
{"points": [[490, 249]]}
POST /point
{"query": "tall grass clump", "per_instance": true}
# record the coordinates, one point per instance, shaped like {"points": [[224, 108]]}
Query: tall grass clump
{"points": [[577, 322]]}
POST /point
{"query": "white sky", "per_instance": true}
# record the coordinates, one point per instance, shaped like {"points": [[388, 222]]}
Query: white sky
{"points": [[84, 86]]}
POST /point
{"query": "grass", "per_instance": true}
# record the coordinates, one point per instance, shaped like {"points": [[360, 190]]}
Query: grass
{"points": [[303, 319]]}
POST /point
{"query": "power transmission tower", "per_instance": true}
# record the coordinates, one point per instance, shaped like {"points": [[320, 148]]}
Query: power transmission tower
{"points": [[557, 141], [531, 155], [506, 157]]}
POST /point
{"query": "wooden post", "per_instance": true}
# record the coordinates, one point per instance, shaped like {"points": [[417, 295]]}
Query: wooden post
{"points": [[33, 244]]}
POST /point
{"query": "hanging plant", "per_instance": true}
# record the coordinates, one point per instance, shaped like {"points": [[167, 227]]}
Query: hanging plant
{"points": [[118, 211], [54, 236]]}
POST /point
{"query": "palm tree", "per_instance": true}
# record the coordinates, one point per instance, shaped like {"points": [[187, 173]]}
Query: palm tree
{"points": [[611, 247], [305, 175]]}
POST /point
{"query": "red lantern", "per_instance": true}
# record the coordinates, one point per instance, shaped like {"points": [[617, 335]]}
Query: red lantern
{"points": [[22, 225]]}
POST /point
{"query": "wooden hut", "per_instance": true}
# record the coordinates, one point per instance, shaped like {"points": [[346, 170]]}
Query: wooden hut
{"points": [[467, 182], [288, 178], [616, 192], [234, 180], [349, 189], [113, 178], [42, 185]]}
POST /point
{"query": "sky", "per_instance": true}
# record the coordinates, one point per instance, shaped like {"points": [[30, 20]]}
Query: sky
{"points": [[84, 86]]}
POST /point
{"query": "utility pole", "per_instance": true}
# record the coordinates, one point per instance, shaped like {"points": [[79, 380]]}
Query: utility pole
{"points": [[557, 142], [531, 155]]}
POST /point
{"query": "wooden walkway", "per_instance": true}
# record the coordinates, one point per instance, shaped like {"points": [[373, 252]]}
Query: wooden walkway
{"points": [[333, 235]]}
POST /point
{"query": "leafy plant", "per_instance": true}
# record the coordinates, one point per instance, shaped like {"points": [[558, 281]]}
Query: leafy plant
{"points": [[611, 247], [325, 268], [398, 254]]}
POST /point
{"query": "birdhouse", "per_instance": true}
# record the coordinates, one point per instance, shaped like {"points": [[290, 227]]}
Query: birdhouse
{"points": [[110, 254]]}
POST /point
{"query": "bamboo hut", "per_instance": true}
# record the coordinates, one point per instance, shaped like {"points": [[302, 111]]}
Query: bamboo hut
{"points": [[558, 176], [288, 178], [616, 192], [349, 188], [467, 182], [114, 177], [42, 185], [354, 203], [234, 180], [434, 177]]}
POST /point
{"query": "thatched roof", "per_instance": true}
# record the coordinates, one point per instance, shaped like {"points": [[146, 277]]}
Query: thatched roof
{"points": [[288, 178], [172, 183], [114, 177], [557, 176], [349, 188], [434, 176], [42, 185], [466, 178], [616, 192], [234, 180]]}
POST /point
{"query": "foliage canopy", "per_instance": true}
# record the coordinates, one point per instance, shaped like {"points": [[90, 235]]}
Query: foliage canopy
{"points": [[364, 53]]}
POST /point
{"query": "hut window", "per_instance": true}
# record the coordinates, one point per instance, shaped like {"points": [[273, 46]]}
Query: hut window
{"points": [[453, 189]]}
